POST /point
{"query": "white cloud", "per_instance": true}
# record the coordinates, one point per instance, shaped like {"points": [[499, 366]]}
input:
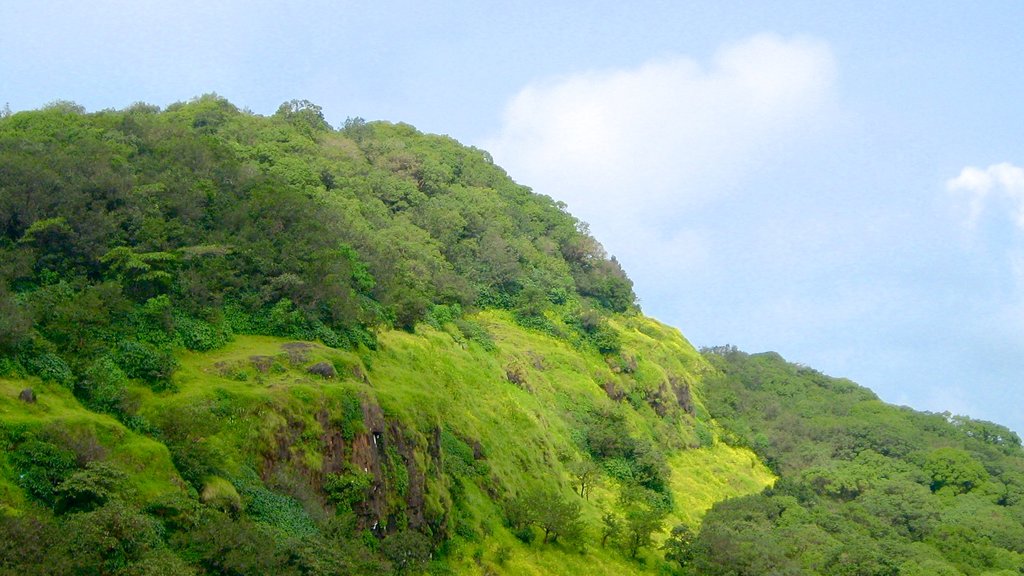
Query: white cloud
{"points": [[641, 144], [1004, 180]]}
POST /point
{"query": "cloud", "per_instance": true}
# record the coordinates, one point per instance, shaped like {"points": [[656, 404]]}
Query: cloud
{"points": [[645, 143], [1004, 181]]}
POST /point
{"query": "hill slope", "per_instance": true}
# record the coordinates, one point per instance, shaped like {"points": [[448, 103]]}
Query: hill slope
{"points": [[234, 344], [431, 434], [254, 344], [865, 487]]}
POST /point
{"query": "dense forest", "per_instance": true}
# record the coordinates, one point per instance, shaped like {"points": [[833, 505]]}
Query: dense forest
{"points": [[864, 487], [236, 344]]}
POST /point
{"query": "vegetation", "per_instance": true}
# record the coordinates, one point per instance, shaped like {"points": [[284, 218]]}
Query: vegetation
{"points": [[233, 344], [865, 488]]}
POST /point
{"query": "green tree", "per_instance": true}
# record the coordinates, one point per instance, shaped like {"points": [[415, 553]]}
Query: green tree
{"points": [[954, 469], [678, 546], [641, 523], [557, 517], [611, 527], [586, 474]]}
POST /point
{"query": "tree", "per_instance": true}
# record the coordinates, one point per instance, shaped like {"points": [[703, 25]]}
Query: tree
{"points": [[645, 515], [586, 473], [679, 545], [611, 527], [304, 115], [557, 516], [520, 514], [641, 523], [954, 469], [548, 510], [15, 322]]}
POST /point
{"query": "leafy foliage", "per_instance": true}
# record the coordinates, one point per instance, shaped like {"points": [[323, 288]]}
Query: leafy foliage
{"points": [[866, 488], [149, 229]]}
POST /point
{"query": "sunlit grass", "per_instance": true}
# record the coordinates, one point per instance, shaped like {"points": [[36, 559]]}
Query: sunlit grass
{"points": [[521, 405]]}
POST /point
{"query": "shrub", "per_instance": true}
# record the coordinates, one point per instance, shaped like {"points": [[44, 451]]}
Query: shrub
{"points": [[88, 488], [407, 550], [441, 314], [201, 335], [283, 512], [476, 333], [348, 488], [42, 466], [110, 539], [102, 387], [51, 368], [145, 362]]}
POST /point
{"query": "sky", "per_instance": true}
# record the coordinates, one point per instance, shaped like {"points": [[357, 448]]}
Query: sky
{"points": [[837, 182]]}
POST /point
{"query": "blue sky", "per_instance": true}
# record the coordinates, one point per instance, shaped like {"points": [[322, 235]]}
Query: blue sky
{"points": [[837, 182]]}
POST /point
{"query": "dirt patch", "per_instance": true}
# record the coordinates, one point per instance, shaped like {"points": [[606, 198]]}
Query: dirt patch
{"points": [[516, 375], [298, 352], [262, 364], [613, 391]]}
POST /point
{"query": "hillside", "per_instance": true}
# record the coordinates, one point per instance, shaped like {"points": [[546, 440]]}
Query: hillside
{"points": [[235, 344], [258, 344], [865, 487]]}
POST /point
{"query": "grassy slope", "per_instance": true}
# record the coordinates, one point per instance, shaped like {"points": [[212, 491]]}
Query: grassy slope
{"points": [[146, 461], [527, 432]]}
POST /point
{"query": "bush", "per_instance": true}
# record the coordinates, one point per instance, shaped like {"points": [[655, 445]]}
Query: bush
{"points": [[50, 368], [89, 488], [348, 488], [102, 387], [27, 546], [476, 333], [441, 314], [269, 507], [284, 320], [407, 550], [145, 362], [110, 539], [705, 435], [200, 335], [225, 546], [41, 467]]}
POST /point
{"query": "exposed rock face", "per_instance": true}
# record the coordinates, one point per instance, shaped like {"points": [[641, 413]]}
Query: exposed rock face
{"points": [[27, 395], [613, 391], [298, 352], [382, 449], [683, 396]]}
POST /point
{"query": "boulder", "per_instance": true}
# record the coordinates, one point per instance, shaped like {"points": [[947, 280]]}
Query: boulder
{"points": [[323, 369]]}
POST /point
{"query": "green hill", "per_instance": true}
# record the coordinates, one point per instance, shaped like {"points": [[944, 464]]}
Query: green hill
{"points": [[235, 344]]}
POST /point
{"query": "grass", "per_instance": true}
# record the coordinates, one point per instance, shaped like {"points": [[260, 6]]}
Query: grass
{"points": [[146, 461], [519, 406]]}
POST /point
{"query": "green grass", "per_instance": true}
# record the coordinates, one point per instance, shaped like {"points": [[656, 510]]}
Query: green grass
{"points": [[242, 399], [708, 475], [146, 461]]}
